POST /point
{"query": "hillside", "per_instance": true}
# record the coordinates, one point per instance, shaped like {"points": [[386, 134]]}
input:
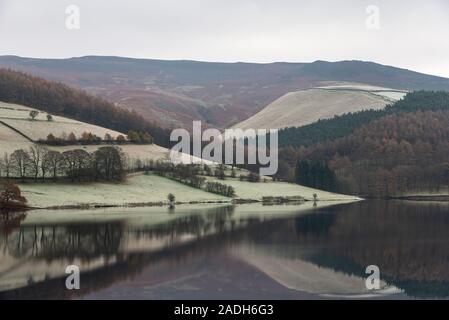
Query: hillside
{"points": [[60, 100], [340, 126], [18, 117], [18, 131], [395, 155], [173, 93], [303, 107], [399, 150]]}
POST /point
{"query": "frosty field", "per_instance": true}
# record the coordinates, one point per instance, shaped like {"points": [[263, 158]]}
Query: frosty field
{"points": [[256, 191], [303, 107], [17, 116], [137, 189]]}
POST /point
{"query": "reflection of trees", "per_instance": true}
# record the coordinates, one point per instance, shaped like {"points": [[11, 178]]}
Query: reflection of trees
{"points": [[93, 240], [90, 241], [409, 242], [10, 221], [215, 220], [67, 241]]}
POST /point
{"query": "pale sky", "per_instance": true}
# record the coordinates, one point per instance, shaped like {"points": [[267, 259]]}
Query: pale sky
{"points": [[412, 34]]}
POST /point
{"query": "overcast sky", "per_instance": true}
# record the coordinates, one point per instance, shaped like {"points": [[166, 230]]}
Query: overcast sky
{"points": [[413, 34]]}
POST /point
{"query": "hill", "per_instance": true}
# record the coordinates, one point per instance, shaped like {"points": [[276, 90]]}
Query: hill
{"points": [[303, 107], [397, 154], [173, 93], [340, 126], [18, 117], [18, 131], [60, 100]]}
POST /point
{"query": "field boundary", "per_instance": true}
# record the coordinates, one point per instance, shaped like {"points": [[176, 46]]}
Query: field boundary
{"points": [[17, 131]]}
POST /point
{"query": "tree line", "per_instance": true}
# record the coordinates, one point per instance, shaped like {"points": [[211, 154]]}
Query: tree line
{"points": [[88, 138], [39, 163], [191, 175]]}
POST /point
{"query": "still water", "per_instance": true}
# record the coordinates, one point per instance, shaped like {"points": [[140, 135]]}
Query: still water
{"points": [[229, 252]]}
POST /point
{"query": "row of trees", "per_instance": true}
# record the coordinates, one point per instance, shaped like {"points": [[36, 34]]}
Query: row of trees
{"points": [[190, 175], [106, 163], [219, 188], [88, 138]]}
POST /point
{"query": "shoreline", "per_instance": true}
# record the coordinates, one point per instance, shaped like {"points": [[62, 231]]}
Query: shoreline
{"points": [[178, 203], [235, 201]]}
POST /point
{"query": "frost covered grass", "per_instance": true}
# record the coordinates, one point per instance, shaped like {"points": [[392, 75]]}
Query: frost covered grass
{"points": [[18, 117], [136, 190], [151, 189], [303, 107], [258, 190]]}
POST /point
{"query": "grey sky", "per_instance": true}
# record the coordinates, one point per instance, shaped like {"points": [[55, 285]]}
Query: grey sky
{"points": [[413, 34]]}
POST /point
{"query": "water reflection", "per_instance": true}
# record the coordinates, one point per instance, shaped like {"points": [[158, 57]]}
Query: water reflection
{"points": [[247, 251]]}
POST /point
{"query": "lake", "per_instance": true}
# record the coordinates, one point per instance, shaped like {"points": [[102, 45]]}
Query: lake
{"points": [[251, 251]]}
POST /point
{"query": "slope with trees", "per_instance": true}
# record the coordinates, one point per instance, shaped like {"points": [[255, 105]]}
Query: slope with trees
{"points": [[340, 126], [397, 154], [59, 99]]}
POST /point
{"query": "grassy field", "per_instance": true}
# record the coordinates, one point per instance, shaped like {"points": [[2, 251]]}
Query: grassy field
{"points": [[11, 140], [17, 116], [137, 189], [306, 106], [251, 190]]}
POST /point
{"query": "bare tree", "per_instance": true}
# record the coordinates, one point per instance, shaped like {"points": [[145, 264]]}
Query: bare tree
{"points": [[5, 164], [20, 161], [44, 163], [77, 161], [52, 161], [109, 163], [36, 153]]}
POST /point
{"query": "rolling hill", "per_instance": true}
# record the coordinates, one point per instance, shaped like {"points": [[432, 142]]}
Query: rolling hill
{"points": [[18, 131], [61, 100], [299, 108], [17, 117], [173, 93], [399, 151], [343, 125]]}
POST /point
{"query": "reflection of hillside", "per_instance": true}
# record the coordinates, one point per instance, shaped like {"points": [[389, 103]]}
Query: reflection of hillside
{"points": [[113, 241], [408, 241], [128, 265], [302, 275]]}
